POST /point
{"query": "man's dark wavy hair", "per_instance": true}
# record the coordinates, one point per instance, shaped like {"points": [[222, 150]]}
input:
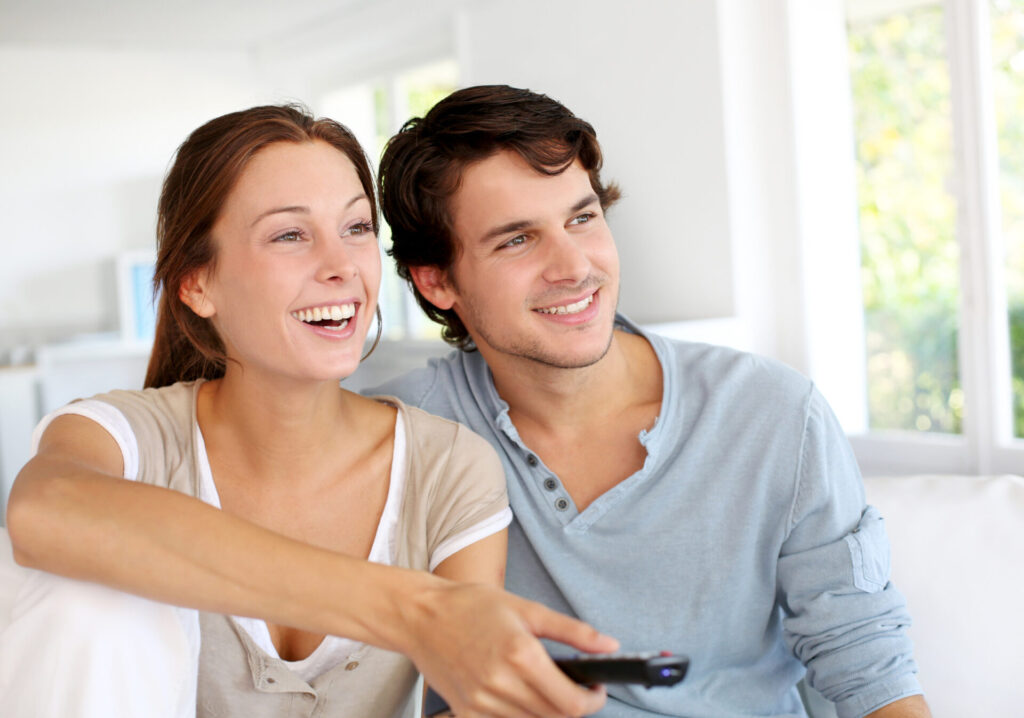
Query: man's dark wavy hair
{"points": [[423, 164]]}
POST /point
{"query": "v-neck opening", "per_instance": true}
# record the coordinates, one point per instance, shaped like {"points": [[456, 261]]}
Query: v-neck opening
{"points": [[576, 521], [331, 650]]}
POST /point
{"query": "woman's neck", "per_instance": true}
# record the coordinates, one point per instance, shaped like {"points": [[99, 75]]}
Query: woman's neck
{"points": [[274, 428]]}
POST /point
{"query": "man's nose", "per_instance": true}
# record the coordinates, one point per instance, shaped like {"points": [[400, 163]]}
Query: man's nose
{"points": [[567, 258]]}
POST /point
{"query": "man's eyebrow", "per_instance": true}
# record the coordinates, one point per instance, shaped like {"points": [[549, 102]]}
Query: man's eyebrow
{"points": [[522, 224], [301, 209], [505, 229], [586, 201]]}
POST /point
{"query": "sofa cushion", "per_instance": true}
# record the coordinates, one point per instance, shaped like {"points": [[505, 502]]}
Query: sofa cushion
{"points": [[11, 576], [958, 556]]}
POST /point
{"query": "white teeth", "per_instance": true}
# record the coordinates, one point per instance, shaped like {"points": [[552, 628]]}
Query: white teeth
{"points": [[569, 308], [333, 312]]}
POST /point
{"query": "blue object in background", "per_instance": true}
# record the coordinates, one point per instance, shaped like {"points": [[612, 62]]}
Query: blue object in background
{"points": [[143, 302]]}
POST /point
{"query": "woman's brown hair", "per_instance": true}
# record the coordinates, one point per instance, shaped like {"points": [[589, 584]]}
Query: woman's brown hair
{"points": [[206, 168]]}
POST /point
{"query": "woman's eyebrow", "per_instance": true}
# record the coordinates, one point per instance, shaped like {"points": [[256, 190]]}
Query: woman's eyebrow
{"points": [[279, 210], [301, 209]]}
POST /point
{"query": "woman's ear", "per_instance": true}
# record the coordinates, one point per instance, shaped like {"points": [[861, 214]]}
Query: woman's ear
{"points": [[193, 293], [434, 285]]}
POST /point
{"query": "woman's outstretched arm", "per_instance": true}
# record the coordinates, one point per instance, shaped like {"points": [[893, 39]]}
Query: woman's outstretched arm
{"points": [[69, 513]]}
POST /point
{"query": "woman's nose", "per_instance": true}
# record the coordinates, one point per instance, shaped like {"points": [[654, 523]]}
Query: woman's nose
{"points": [[335, 262]]}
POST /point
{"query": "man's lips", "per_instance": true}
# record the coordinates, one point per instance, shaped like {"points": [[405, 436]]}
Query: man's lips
{"points": [[569, 308]]}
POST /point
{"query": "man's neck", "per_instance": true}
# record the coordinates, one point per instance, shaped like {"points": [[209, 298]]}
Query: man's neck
{"points": [[556, 398], [584, 423]]}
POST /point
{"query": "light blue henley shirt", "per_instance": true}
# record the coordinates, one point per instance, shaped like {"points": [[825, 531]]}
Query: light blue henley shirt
{"points": [[743, 542]]}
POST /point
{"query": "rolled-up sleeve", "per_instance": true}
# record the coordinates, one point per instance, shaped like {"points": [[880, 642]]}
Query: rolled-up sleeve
{"points": [[844, 620]]}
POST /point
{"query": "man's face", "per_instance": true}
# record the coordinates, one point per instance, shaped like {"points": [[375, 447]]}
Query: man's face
{"points": [[537, 273]]}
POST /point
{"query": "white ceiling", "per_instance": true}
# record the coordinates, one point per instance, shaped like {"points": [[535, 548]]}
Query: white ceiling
{"points": [[234, 25]]}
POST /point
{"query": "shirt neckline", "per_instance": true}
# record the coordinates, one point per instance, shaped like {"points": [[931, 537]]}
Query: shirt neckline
{"points": [[497, 413], [332, 650]]}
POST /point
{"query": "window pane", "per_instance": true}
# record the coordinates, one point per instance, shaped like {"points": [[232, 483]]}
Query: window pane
{"points": [[909, 255], [415, 92], [1008, 88]]}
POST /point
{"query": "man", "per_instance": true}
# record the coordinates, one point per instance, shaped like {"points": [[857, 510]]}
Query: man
{"points": [[676, 496]]}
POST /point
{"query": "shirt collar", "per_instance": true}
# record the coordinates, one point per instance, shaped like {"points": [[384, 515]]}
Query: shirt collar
{"points": [[481, 384]]}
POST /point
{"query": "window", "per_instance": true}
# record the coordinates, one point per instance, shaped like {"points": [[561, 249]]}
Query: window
{"points": [[374, 111], [937, 89]]}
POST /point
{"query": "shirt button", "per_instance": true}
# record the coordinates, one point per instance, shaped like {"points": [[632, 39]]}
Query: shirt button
{"points": [[562, 504], [352, 666], [271, 680], [550, 484], [531, 460]]}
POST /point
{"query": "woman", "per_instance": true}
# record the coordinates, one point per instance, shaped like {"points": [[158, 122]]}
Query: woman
{"points": [[269, 269]]}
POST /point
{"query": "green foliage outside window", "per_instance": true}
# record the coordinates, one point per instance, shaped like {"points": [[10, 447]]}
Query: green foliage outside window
{"points": [[909, 254]]}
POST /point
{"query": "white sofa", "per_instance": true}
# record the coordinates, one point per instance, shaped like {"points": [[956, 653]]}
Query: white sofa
{"points": [[958, 556]]}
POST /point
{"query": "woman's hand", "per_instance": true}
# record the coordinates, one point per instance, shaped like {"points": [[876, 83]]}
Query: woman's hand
{"points": [[477, 646]]}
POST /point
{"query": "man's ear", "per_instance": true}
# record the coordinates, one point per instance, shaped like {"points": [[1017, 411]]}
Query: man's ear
{"points": [[193, 293], [434, 285]]}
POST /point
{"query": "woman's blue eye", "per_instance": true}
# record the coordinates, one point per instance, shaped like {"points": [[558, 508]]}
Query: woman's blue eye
{"points": [[292, 236], [360, 228]]}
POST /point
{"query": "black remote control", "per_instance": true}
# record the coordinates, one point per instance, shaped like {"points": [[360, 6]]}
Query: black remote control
{"points": [[647, 669]]}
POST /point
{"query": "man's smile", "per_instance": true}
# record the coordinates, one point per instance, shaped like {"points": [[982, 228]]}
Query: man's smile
{"points": [[573, 308]]}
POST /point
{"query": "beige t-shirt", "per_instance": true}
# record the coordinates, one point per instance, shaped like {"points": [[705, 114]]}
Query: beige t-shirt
{"points": [[454, 487]]}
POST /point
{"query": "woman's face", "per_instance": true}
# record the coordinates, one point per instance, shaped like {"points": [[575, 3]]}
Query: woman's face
{"points": [[294, 285]]}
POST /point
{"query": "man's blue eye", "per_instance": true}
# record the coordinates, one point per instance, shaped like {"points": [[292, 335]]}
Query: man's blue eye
{"points": [[515, 241], [583, 218]]}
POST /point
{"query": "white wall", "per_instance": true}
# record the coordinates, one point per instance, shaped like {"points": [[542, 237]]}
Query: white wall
{"points": [[85, 137], [647, 75], [698, 105], [728, 124], [92, 131], [690, 99]]}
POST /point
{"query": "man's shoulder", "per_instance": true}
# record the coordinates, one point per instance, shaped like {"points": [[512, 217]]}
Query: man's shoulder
{"points": [[713, 372], [697, 361], [435, 387], [717, 360]]}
